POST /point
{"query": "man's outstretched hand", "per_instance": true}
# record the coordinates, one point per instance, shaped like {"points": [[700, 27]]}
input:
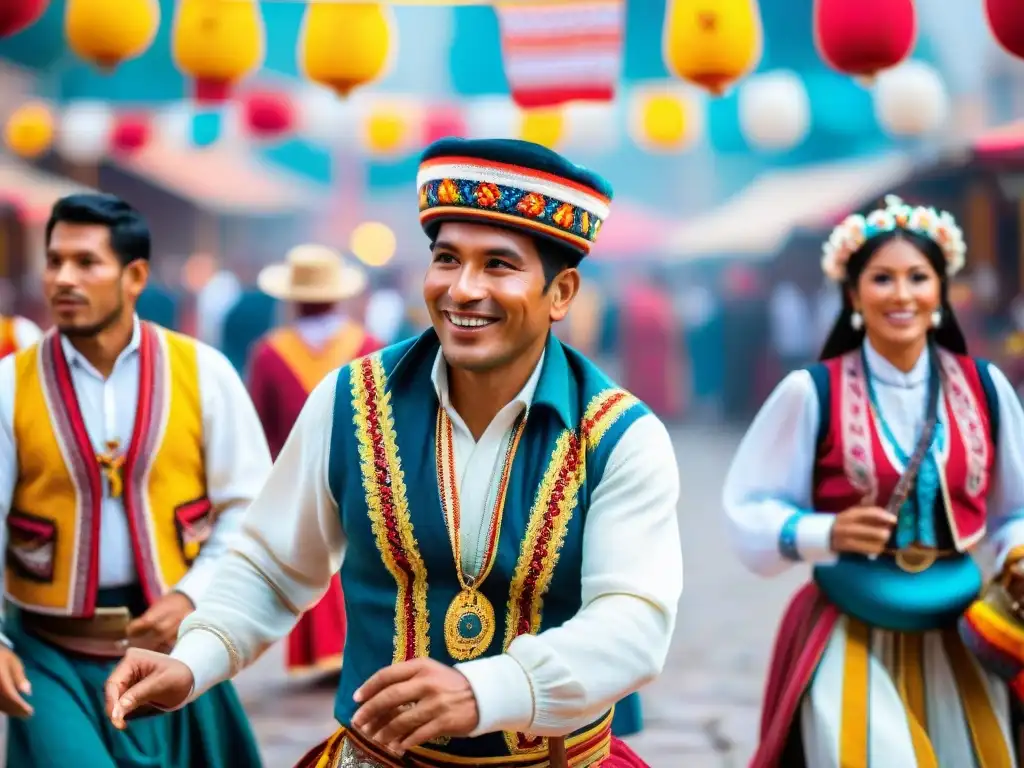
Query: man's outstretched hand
{"points": [[145, 679], [412, 702]]}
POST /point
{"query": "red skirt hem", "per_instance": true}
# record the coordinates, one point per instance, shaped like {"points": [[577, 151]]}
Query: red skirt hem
{"points": [[318, 640]]}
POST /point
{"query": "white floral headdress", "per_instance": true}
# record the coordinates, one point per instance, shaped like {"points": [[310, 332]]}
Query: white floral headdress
{"points": [[855, 230]]}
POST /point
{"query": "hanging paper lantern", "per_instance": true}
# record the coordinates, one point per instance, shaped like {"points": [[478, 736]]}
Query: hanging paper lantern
{"points": [[131, 133], [911, 99], [664, 119], [492, 117], [388, 129], [107, 32], [774, 110], [443, 121], [1006, 20], [543, 126], [591, 129], [344, 46], [84, 133], [29, 131], [267, 114], [16, 15], [860, 38], [321, 117], [217, 44], [712, 44]]}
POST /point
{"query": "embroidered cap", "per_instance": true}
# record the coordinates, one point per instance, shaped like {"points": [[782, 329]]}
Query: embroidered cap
{"points": [[515, 184]]}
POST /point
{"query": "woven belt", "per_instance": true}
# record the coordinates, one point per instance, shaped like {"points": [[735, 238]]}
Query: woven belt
{"points": [[104, 635]]}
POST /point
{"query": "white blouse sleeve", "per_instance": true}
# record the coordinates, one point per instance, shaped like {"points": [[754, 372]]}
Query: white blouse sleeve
{"points": [[768, 490], [1006, 494]]}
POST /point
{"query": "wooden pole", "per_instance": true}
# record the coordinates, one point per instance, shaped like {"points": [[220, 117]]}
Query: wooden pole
{"points": [[557, 756]]}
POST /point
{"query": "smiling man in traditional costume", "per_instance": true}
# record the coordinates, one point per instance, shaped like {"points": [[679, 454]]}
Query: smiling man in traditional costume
{"points": [[284, 368], [505, 513], [129, 454]]}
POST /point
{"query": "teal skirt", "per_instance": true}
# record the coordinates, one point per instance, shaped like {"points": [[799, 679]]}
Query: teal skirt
{"points": [[70, 726], [628, 719]]}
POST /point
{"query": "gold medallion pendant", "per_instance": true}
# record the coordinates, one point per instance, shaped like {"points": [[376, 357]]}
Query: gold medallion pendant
{"points": [[469, 625], [914, 559]]}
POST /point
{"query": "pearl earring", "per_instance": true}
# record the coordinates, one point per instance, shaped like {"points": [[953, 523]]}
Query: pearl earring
{"points": [[937, 318], [856, 321]]}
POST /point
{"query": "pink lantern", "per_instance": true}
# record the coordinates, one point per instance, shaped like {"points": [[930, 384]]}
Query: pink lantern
{"points": [[442, 122], [131, 133], [1006, 20], [267, 114], [860, 38], [16, 15]]}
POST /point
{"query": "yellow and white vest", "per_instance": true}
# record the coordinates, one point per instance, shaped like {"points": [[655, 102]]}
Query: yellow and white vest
{"points": [[54, 523]]}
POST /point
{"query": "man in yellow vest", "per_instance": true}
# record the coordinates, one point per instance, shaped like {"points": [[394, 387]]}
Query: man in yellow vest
{"points": [[17, 333], [129, 454], [285, 366]]}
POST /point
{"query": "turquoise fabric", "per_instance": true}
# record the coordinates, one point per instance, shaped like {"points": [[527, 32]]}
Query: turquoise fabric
{"points": [[880, 593], [629, 717], [70, 726], [568, 382]]}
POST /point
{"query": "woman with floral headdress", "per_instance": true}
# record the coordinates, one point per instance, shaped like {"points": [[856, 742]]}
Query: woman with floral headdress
{"points": [[882, 466]]}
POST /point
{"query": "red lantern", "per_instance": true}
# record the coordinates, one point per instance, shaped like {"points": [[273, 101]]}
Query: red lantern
{"points": [[16, 15], [131, 133], [267, 114], [862, 37], [1006, 20], [442, 122]]}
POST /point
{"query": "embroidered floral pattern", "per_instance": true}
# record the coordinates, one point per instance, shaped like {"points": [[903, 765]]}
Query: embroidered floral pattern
{"points": [[388, 506], [511, 201], [856, 428], [967, 414], [549, 520]]}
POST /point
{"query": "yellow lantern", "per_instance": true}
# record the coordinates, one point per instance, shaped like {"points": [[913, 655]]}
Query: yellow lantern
{"points": [[712, 43], [108, 32], [346, 45], [29, 131], [542, 126], [386, 130], [662, 121], [217, 43]]}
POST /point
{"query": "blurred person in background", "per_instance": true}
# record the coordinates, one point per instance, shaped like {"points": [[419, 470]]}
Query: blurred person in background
{"points": [[882, 466], [543, 586], [385, 309], [129, 455], [17, 333], [284, 368]]}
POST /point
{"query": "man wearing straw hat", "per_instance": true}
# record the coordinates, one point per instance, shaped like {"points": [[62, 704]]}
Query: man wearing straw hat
{"points": [[284, 368], [505, 513]]}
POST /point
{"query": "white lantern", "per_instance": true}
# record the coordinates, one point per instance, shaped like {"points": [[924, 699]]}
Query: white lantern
{"points": [[591, 129], [774, 110], [325, 118], [911, 99], [84, 133], [492, 117], [172, 126]]}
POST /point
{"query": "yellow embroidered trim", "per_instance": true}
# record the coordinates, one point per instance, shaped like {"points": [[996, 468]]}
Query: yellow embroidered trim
{"points": [[388, 506], [549, 520], [237, 663]]}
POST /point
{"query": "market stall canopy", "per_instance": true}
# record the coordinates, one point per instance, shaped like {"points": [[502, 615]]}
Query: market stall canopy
{"points": [[757, 220], [31, 190], [222, 179]]}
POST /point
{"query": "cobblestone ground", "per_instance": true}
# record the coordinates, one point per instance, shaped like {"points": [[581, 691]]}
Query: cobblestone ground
{"points": [[702, 713]]}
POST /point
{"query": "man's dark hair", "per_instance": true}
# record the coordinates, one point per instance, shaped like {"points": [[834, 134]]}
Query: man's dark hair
{"points": [[129, 233], [555, 258]]}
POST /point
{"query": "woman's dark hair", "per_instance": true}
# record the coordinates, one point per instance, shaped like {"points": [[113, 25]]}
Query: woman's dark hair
{"points": [[843, 338]]}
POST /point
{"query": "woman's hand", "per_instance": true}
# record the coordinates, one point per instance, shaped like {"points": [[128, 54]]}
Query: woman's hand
{"points": [[862, 530]]}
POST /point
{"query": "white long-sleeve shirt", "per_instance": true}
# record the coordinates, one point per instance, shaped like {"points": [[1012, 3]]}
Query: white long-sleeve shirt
{"points": [[548, 684], [771, 476], [26, 333], [235, 452]]}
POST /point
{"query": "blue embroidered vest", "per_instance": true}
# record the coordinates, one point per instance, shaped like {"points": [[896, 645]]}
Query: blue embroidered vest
{"points": [[399, 572]]}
